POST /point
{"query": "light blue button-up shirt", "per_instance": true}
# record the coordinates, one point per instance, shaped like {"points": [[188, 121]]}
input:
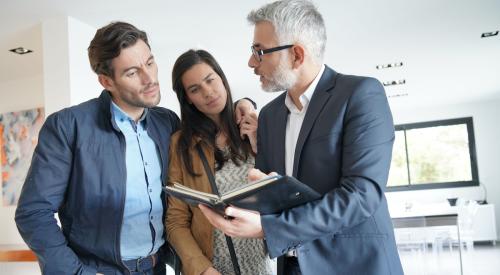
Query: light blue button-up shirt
{"points": [[142, 228]]}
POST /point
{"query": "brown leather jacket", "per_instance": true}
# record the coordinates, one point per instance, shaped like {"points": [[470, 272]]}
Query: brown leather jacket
{"points": [[188, 231]]}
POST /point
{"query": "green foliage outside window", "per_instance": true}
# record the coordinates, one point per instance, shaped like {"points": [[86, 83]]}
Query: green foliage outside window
{"points": [[433, 155]]}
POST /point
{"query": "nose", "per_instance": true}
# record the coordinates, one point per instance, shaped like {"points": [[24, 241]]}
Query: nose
{"points": [[252, 63], [147, 76], [207, 91]]}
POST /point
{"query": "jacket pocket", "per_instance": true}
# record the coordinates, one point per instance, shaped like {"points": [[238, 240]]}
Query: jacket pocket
{"points": [[362, 253]]}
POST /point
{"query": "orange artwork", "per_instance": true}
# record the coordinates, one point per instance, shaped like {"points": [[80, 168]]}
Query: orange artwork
{"points": [[18, 138]]}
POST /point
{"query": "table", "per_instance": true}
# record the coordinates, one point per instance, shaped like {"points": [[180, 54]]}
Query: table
{"points": [[410, 220]]}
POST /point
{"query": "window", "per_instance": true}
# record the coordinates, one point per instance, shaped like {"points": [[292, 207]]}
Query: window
{"points": [[437, 154]]}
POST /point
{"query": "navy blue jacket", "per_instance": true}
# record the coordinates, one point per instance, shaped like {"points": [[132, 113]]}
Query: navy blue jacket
{"points": [[78, 171], [343, 151]]}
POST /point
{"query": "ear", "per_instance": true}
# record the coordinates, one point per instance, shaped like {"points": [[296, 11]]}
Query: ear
{"points": [[298, 56], [106, 82]]}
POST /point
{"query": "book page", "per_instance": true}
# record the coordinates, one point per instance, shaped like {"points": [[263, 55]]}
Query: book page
{"points": [[186, 190], [251, 186]]}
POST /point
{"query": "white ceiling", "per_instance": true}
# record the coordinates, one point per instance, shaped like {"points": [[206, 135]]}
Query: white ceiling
{"points": [[445, 60]]}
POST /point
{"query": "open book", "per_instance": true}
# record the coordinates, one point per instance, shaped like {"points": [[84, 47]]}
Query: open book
{"points": [[269, 195]]}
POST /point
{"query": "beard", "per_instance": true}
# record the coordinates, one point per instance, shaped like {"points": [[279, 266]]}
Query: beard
{"points": [[283, 78], [156, 100], [136, 100]]}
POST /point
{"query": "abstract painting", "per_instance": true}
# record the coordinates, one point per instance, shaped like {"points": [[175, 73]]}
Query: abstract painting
{"points": [[18, 138]]}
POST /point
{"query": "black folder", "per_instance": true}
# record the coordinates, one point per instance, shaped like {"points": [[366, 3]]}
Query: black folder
{"points": [[269, 195]]}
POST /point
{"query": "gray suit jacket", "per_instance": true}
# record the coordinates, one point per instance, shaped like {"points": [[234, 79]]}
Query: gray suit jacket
{"points": [[344, 152]]}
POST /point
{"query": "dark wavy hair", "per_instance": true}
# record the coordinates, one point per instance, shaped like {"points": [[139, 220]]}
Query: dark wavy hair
{"points": [[196, 124], [109, 41]]}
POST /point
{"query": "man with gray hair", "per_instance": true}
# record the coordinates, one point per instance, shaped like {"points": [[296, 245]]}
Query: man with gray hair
{"points": [[331, 131]]}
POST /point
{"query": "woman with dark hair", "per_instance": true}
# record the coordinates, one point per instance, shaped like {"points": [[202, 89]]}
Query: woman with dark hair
{"points": [[209, 131]]}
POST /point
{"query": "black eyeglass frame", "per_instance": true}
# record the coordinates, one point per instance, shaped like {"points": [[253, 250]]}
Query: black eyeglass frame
{"points": [[257, 54]]}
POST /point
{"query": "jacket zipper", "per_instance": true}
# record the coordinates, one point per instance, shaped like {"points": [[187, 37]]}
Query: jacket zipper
{"points": [[122, 208]]}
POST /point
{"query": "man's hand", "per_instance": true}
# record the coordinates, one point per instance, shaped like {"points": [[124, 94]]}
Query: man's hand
{"points": [[248, 127], [243, 107], [210, 271], [243, 223]]}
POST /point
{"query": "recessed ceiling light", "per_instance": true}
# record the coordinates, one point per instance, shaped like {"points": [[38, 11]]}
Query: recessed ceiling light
{"points": [[21, 50], [397, 95], [489, 34], [394, 82], [389, 65]]}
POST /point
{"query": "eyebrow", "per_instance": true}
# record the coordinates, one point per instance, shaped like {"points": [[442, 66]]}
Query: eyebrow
{"points": [[151, 57], [204, 79]]}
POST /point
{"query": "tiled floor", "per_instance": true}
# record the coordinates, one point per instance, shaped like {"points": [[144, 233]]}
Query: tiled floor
{"points": [[484, 259]]}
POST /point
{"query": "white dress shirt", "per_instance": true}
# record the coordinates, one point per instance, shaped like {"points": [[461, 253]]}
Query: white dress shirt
{"points": [[295, 120]]}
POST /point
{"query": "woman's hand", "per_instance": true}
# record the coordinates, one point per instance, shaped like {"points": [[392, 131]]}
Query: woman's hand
{"points": [[243, 107], [210, 271], [248, 127]]}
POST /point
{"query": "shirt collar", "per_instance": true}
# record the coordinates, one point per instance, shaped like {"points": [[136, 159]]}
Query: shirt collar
{"points": [[305, 98], [120, 115]]}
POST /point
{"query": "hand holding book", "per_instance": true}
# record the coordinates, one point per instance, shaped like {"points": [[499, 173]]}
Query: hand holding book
{"points": [[243, 223], [271, 194]]}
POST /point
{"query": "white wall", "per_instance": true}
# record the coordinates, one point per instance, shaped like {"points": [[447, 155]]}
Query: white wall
{"points": [[485, 116], [55, 64], [21, 94], [17, 94], [83, 83], [68, 78]]}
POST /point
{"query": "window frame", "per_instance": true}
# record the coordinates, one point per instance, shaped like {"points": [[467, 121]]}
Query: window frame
{"points": [[472, 154]]}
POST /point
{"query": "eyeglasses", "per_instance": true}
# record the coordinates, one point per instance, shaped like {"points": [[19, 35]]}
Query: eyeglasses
{"points": [[257, 54]]}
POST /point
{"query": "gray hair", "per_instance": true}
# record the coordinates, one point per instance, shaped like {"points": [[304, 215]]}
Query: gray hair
{"points": [[295, 21]]}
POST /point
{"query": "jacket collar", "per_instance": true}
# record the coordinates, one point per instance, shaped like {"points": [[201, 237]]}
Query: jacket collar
{"points": [[107, 109], [321, 96]]}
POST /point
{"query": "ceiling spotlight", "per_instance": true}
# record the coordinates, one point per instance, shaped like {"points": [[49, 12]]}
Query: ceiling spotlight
{"points": [[389, 65], [397, 95], [394, 82], [21, 50], [489, 34]]}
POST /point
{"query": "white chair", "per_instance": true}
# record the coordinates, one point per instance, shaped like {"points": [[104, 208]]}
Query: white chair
{"points": [[442, 237], [467, 210], [412, 247], [447, 236]]}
